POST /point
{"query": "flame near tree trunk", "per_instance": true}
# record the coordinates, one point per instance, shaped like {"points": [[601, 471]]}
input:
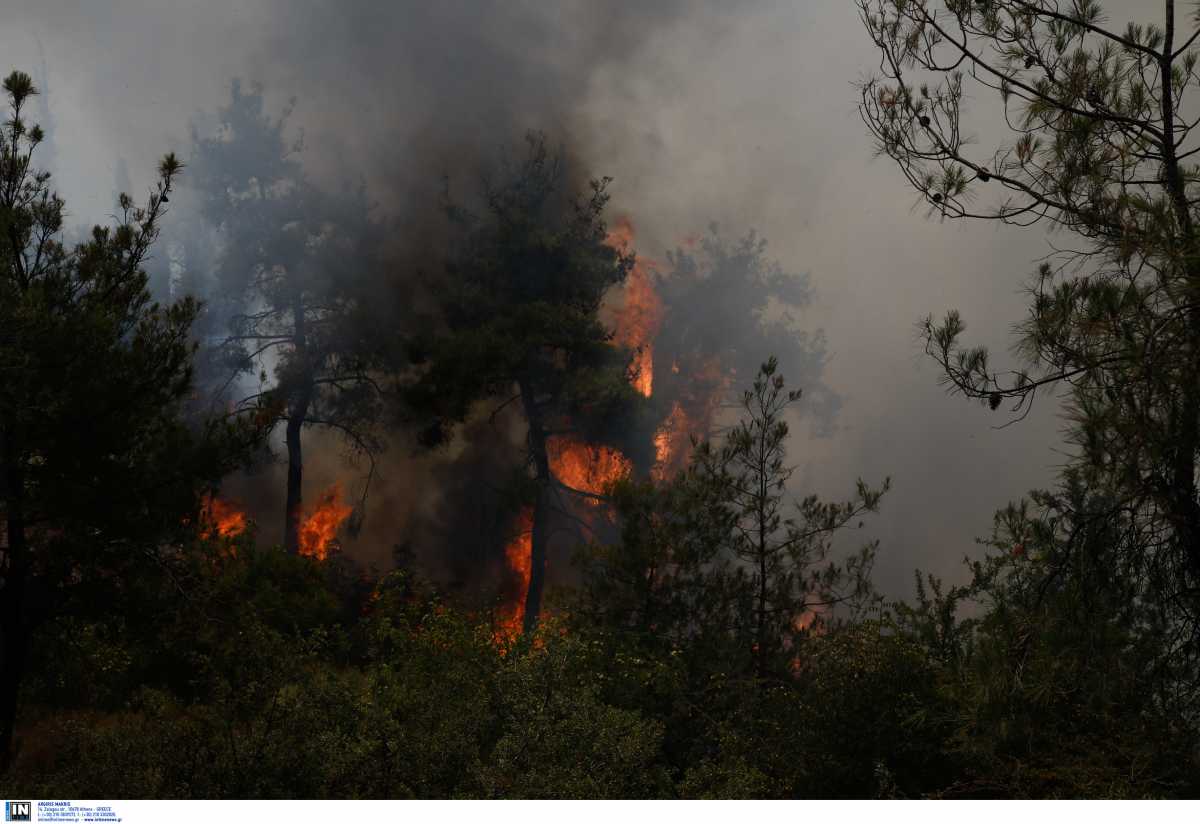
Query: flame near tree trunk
{"points": [[586, 467], [518, 555], [319, 527], [590, 468]]}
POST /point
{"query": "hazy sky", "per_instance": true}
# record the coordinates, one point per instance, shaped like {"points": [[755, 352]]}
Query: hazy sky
{"points": [[737, 112]]}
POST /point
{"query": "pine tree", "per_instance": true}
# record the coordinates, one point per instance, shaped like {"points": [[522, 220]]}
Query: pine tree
{"points": [[292, 276], [720, 556], [98, 467], [784, 551], [1101, 149], [519, 323]]}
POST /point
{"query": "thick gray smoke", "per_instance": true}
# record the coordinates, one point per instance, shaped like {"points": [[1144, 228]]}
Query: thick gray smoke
{"points": [[738, 113]]}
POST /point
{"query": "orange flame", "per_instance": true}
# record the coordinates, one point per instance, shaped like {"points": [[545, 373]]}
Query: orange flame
{"points": [[319, 528], [809, 620], [220, 518], [691, 415], [586, 467], [518, 555], [638, 320], [671, 443], [636, 324]]}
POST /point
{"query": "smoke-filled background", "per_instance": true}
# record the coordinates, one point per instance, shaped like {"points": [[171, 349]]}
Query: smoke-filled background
{"points": [[738, 113]]}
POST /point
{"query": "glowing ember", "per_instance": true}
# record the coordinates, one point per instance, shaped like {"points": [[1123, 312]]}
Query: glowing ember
{"points": [[519, 557], [586, 467], [639, 319], [319, 527], [220, 518]]}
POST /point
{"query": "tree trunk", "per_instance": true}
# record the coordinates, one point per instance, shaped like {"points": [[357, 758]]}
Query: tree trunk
{"points": [[541, 509], [295, 478], [1183, 504], [298, 405], [761, 469], [14, 649], [14, 635]]}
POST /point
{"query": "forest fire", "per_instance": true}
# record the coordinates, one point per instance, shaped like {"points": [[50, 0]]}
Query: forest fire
{"points": [[586, 467], [641, 316], [590, 468], [319, 527], [406, 407], [671, 443], [220, 518], [692, 413], [636, 325], [517, 555]]}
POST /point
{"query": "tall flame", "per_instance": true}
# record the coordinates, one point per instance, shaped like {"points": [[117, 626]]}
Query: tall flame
{"points": [[519, 557], [636, 324], [320, 526], [590, 468], [638, 320], [586, 467], [671, 443], [692, 413]]}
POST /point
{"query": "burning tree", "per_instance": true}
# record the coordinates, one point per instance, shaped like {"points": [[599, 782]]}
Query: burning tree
{"points": [[718, 553], [98, 468], [294, 259], [519, 324], [713, 311], [729, 308]]}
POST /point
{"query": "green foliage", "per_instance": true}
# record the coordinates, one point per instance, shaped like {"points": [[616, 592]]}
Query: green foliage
{"points": [[727, 302], [273, 707], [860, 718], [520, 299], [295, 289], [1109, 561], [716, 552], [1054, 687], [99, 465], [561, 739], [876, 715], [265, 698]]}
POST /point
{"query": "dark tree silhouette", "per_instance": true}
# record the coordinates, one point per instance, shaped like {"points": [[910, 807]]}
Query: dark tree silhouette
{"points": [[519, 323], [1101, 147], [98, 468], [294, 267]]}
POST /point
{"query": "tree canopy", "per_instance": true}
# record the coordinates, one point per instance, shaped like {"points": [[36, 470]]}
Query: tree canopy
{"points": [[1100, 145], [292, 278], [518, 322], [99, 466]]}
